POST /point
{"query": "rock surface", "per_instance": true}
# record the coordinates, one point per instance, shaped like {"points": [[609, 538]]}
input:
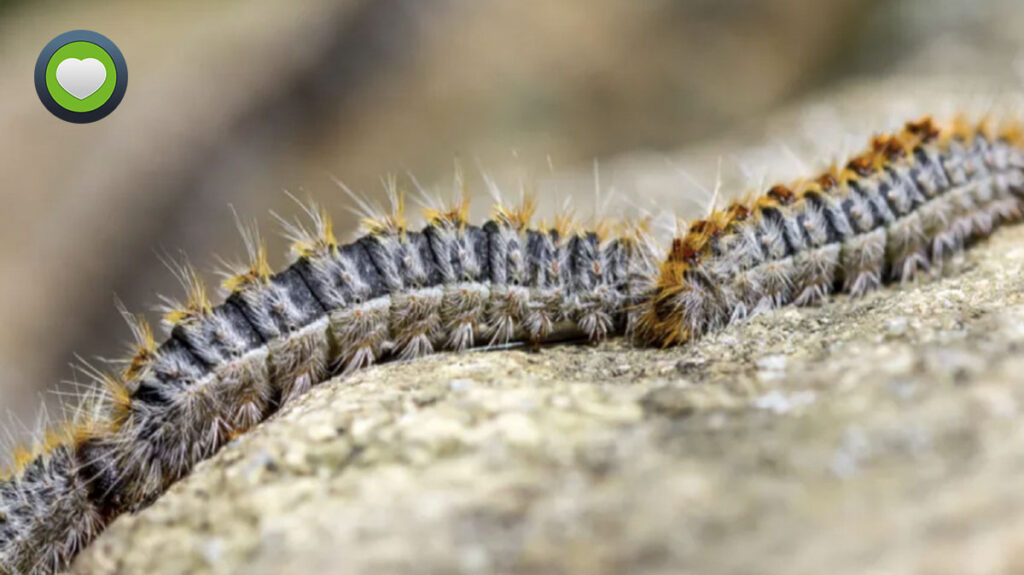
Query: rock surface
{"points": [[880, 435]]}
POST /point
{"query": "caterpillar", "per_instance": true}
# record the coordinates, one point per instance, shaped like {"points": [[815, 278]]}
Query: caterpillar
{"points": [[909, 202], [914, 199]]}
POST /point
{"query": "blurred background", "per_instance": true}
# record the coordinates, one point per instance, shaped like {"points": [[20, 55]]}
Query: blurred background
{"points": [[230, 103]]}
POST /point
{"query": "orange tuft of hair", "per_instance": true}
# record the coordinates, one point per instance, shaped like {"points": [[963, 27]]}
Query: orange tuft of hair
{"points": [[1012, 131], [257, 271], [394, 223], [322, 241], [456, 212], [197, 300], [517, 217]]}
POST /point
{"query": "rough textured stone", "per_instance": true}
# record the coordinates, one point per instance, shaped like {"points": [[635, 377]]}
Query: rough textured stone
{"points": [[877, 435]]}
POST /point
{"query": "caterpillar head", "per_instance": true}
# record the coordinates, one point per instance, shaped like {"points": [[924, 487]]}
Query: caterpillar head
{"points": [[664, 321]]}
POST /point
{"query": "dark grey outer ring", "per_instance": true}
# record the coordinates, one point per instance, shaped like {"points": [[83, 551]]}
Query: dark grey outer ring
{"points": [[120, 68]]}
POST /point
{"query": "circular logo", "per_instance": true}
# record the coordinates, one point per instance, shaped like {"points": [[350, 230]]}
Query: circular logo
{"points": [[81, 76]]}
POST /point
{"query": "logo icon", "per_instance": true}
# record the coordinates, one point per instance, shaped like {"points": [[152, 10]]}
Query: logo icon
{"points": [[81, 76]]}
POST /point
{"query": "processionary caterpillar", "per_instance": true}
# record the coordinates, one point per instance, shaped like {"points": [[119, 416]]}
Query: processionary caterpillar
{"points": [[911, 201]]}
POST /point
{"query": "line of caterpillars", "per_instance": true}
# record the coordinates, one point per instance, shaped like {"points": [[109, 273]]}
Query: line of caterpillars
{"points": [[912, 200]]}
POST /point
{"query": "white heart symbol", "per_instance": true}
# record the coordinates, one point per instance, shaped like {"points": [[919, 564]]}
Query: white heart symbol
{"points": [[81, 78]]}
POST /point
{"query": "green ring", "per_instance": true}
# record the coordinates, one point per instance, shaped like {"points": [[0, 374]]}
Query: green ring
{"points": [[80, 50]]}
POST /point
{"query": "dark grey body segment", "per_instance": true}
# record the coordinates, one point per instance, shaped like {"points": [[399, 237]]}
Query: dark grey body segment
{"points": [[583, 262], [224, 335], [793, 233], [444, 246], [305, 307], [174, 370], [838, 225], [384, 262], [515, 259], [563, 256], [479, 243], [341, 276], [930, 173], [616, 265], [541, 260], [361, 254], [497, 253], [282, 306], [421, 268], [880, 210]]}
